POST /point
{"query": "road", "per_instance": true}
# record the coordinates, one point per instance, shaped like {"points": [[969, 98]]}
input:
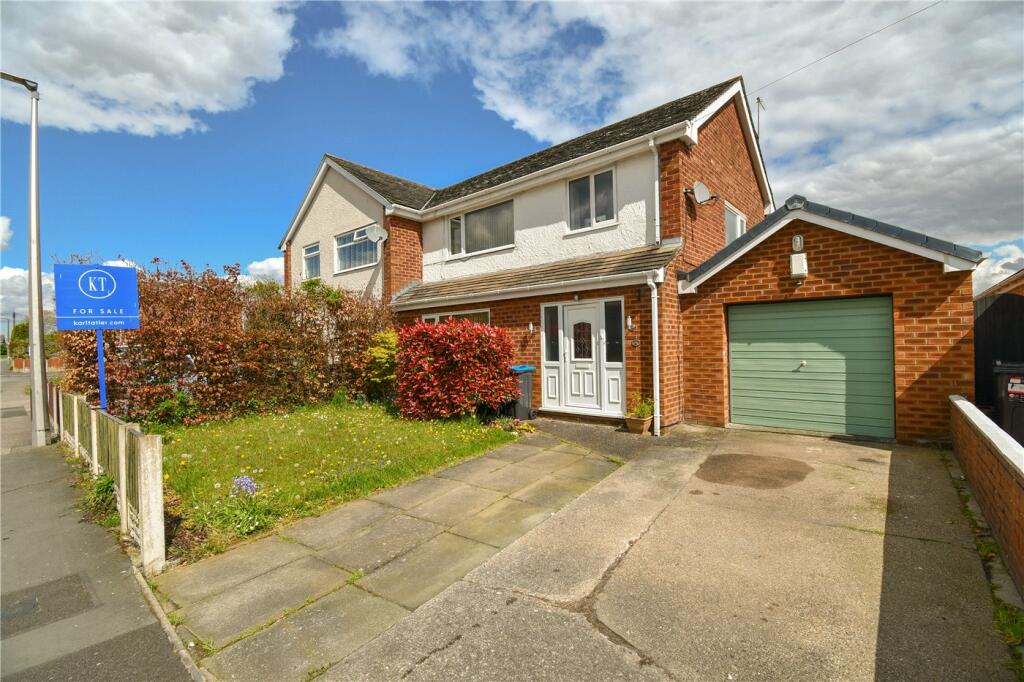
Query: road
{"points": [[70, 607]]}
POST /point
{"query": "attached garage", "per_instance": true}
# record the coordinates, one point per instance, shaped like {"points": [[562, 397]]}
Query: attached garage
{"points": [[818, 365]]}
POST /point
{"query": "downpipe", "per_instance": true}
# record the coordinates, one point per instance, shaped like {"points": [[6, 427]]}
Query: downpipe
{"points": [[654, 278]]}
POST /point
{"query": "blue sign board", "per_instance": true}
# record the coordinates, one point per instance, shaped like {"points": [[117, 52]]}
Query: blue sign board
{"points": [[96, 297]]}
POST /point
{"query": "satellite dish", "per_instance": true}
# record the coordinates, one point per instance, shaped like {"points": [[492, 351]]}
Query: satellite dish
{"points": [[375, 233], [701, 193]]}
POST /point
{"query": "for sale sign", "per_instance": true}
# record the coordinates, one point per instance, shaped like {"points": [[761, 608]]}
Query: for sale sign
{"points": [[96, 297]]}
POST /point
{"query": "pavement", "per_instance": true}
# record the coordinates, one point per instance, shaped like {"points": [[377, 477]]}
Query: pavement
{"points": [[70, 607], [291, 604]]}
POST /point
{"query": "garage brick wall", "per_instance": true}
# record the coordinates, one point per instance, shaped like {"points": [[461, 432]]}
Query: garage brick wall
{"points": [[996, 483], [933, 321], [515, 316]]}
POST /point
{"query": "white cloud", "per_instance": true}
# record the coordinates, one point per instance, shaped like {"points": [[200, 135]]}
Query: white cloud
{"points": [[268, 270], [141, 68], [14, 292], [1001, 262], [6, 233], [920, 125]]}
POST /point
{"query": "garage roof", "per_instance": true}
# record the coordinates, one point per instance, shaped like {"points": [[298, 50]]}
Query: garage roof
{"points": [[798, 207]]}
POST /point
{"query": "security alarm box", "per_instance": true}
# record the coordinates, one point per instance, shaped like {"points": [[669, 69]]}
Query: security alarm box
{"points": [[798, 265]]}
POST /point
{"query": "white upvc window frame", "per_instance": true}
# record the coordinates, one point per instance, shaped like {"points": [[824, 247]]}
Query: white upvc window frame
{"points": [[305, 255], [438, 317], [729, 208], [461, 217], [612, 222], [337, 247]]}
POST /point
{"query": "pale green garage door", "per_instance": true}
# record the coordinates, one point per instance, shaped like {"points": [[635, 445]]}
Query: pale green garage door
{"points": [[813, 365]]}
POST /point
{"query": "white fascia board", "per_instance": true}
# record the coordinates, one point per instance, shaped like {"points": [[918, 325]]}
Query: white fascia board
{"points": [[949, 263], [736, 90], [321, 173], [565, 286]]}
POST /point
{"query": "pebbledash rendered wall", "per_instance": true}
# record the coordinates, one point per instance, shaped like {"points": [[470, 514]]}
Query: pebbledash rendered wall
{"points": [[540, 218], [932, 325]]}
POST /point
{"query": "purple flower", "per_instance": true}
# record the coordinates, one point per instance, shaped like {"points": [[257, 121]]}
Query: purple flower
{"points": [[244, 484]]}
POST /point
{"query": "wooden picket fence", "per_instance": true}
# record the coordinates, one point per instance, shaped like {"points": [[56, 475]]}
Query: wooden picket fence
{"points": [[133, 459]]}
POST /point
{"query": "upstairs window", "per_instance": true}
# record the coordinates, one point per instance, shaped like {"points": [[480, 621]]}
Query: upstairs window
{"points": [[592, 201], [354, 250], [735, 224], [311, 261], [483, 230]]}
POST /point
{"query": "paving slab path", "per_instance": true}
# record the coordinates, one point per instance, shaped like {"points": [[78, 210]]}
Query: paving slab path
{"points": [[290, 605], [723, 555]]}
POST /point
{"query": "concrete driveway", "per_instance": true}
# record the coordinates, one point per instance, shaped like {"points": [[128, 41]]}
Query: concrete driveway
{"points": [[728, 555]]}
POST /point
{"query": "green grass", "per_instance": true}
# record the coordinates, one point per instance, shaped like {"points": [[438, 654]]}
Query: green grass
{"points": [[303, 462]]}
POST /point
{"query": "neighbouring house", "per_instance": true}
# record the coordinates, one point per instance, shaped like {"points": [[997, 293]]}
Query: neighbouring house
{"points": [[649, 257], [999, 333]]}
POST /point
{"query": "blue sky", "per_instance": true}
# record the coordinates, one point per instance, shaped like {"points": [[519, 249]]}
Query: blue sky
{"points": [[191, 131]]}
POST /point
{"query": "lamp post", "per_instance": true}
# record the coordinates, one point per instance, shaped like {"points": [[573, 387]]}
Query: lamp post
{"points": [[36, 349]]}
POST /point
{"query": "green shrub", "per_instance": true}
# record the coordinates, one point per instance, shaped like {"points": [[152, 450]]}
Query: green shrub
{"points": [[175, 410], [379, 373], [640, 407]]}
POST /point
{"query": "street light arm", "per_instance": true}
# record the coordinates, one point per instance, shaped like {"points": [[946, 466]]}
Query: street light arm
{"points": [[31, 86]]}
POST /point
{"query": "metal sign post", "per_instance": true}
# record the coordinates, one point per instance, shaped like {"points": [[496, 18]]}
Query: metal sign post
{"points": [[96, 297]]}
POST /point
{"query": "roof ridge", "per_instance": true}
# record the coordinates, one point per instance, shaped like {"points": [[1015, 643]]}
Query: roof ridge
{"points": [[377, 170]]}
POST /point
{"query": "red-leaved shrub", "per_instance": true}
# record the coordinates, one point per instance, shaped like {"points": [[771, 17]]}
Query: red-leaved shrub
{"points": [[212, 346], [452, 368]]}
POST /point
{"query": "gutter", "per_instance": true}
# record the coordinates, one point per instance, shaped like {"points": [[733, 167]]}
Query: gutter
{"points": [[604, 281], [654, 278]]}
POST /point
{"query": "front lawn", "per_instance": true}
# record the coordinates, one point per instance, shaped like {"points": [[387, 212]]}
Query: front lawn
{"points": [[298, 463]]}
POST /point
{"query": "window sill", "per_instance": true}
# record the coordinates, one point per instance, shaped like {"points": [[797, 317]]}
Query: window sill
{"points": [[466, 256], [592, 228], [310, 279], [358, 267]]}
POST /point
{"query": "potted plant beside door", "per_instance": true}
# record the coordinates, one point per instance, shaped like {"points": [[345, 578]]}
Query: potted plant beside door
{"points": [[640, 414]]}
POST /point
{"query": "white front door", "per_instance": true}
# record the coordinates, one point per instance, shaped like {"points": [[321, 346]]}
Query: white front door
{"points": [[581, 354]]}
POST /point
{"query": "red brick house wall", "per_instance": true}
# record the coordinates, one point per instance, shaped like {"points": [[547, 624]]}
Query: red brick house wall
{"points": [[720, 160], [933, 320], [402, 256], [996, 483], [515, 315], [288, 266]]}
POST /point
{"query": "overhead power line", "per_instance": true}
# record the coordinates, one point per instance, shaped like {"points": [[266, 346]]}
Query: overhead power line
{"points": [[837, 51]]}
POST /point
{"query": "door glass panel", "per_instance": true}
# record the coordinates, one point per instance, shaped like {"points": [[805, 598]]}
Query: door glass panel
{"points": [[582, 341], [551, 334], [613, 331]]}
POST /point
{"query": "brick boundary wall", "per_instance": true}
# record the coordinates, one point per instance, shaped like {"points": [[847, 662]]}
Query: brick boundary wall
{"points": [[994, 466]]}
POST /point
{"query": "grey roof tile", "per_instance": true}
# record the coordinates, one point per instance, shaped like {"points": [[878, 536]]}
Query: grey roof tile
{"points": [[797, 202], [414, 195]]}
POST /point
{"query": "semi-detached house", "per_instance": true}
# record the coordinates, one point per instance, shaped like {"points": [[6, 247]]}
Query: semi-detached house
{"points": [[649, 257]]}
